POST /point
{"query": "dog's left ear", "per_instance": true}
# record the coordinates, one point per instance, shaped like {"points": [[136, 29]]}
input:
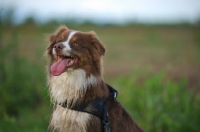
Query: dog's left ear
{"points": [[99, 46]]}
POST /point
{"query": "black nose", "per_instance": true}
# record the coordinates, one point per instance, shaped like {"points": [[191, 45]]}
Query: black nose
{"points": [[59, 46]]}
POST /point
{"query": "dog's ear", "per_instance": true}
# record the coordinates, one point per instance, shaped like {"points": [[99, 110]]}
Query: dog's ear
{"points": [[99, 46], [60, 29], [52, 38]]}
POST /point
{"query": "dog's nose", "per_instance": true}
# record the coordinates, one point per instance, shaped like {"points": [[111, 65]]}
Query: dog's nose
{"points": [[59, 46]]}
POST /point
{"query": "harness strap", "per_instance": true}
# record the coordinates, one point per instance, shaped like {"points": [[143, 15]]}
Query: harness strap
{"points": [[94, 107], [104, 119], [97, 107]]}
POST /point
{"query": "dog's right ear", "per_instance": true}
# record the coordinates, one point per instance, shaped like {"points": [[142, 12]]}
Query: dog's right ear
{"points": [[52, 39]]}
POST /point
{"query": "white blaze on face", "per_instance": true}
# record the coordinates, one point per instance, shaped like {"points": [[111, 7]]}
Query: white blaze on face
{"points": [[54, 52], [66, 43]]}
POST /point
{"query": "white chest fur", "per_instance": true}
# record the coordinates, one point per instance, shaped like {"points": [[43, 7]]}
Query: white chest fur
{"points": [[65, 120], [69, 86]]}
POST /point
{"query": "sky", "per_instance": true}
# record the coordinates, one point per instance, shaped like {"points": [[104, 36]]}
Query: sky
{"points": [[106, 11]]}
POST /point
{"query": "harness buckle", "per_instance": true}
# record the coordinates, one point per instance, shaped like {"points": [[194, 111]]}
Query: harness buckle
{"points": [[106, 126], [115, 94]]}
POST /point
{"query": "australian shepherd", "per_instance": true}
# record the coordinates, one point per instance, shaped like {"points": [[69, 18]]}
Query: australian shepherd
{"points": [[74, 76]]}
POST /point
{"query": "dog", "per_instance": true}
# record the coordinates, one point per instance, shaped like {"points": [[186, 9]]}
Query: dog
{"points": [[77, 89]]}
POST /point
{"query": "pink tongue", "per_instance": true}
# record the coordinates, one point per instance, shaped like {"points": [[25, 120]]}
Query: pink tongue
{"points": [[58, 67]]}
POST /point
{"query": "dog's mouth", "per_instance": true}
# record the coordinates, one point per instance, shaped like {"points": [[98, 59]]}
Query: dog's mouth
{"points": [[63, 63]]}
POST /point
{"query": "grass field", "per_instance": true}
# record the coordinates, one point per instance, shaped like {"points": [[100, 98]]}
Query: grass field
{"points": [[156, 70]]}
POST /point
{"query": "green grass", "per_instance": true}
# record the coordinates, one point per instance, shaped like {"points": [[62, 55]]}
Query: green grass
{"points": [[158, 101], [23, 95]]}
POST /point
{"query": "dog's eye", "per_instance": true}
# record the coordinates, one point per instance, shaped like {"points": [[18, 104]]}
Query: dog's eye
{"points": [[75, 43]]}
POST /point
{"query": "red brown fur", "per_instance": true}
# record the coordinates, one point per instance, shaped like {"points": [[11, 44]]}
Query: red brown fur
{"points": [[88, 49]]}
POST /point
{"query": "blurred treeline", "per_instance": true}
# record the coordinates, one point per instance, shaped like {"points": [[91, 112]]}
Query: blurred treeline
{"points": [[159, 100]]}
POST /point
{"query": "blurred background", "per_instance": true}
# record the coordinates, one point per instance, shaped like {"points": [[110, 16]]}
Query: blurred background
{"points": [[152, 59]]}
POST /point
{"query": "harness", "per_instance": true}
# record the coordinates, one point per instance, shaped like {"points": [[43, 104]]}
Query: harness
{"points": [[97, 107]]}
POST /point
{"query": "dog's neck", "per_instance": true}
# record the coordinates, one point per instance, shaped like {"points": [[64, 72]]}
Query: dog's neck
{"points": [[71, 86]]}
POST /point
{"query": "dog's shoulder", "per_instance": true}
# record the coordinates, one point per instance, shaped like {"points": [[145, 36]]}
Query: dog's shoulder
{"points": [[120, 119]]}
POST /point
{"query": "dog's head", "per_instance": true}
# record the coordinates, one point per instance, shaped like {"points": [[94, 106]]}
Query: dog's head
{"points": [[71, 50]]}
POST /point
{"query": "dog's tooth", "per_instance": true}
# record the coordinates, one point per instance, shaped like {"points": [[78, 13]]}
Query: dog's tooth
{"points": [[70, 63]]}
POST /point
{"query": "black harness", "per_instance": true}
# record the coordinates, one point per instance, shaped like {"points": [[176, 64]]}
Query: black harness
{"points": [[97, 107]]}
